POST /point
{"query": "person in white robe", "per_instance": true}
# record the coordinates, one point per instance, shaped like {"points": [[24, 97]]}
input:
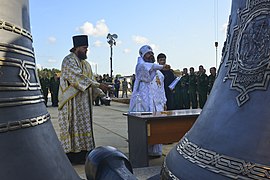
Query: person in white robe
{"points": [[76, 91], [148, 93]]}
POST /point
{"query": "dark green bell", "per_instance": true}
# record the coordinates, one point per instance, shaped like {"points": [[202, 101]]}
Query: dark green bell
{"points": [[30, 148], [230, 138]]}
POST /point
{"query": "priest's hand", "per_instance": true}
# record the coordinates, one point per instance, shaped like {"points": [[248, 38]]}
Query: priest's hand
{"points": [[166, 67], [105, 87]]}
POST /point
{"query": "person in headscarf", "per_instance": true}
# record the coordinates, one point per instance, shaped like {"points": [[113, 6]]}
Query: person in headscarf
{"points": [[148, 93], [77, 89]]}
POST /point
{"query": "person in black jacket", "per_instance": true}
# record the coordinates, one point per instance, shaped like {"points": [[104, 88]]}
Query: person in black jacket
{"points": [[192, 88], [202, 86], [54, 88], [211, 78], [168, 79], [45, 85]]}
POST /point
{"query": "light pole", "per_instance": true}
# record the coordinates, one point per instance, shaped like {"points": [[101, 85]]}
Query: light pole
{"points": [[111, 40], [216, 45]]}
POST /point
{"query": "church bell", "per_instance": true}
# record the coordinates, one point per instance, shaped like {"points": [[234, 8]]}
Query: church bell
{"points": [[231, 137], [30, 148]]}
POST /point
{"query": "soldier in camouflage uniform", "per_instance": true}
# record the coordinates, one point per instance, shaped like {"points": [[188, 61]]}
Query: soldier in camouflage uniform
{"points": [[202, 86], [192, 89], [211, 78], [184, 90], [45, 85], [54, 88]]}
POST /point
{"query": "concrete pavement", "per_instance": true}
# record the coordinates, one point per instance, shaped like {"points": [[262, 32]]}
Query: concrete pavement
{"points": [[110, 129]]}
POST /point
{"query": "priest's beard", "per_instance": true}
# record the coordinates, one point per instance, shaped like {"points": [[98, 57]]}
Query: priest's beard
{"points": [[150, 59], [82, 55]]}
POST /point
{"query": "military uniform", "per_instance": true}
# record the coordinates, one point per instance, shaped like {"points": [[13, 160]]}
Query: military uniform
{"points": [[184, 92], [45, 84], [192, 91], [54, 88], [202, 88], [211, 80]]}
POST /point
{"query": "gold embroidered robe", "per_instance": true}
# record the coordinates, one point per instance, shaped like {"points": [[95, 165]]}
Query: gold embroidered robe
{"points": [[77, 88]]}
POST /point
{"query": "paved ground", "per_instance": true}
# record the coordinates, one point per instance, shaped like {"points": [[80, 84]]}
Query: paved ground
{"points": [[110, 129]]}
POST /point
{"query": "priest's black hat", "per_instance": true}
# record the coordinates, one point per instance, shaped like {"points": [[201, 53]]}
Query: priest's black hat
{"points": [[80, 40]]}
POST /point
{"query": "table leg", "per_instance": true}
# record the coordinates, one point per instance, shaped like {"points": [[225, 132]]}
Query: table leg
{"points": [[137, 137]]}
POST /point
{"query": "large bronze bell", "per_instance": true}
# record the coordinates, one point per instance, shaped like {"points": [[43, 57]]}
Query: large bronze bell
{"points": [[231, 137], [29, 145]]}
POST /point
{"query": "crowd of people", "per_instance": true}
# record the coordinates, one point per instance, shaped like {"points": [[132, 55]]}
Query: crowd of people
{"points": [[191, 91], [157, 88], [77, 89], [49, 85], [193, 88]]}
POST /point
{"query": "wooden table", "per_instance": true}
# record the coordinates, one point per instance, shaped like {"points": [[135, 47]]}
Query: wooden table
{"points": [[148, 128]]}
